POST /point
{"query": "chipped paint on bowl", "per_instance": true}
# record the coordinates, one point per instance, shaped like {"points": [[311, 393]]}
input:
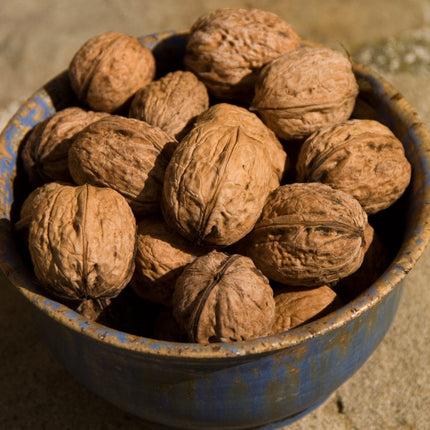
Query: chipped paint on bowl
{"points": [[262, 383]]}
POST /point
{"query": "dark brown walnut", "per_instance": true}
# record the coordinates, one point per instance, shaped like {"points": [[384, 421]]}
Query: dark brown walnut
{"points": [[227, 47], [167, 328], [305, 89], [229, 114], [361, 157], [161, 256], [308, 235], [125, 154], [296, 306], [45, 153], [221, 298], [109, 68], [171, 102], [82, 242], [216, 184]]}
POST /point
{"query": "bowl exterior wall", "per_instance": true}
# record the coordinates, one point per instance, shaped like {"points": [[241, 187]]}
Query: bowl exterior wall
{"points": [[227, 393]]}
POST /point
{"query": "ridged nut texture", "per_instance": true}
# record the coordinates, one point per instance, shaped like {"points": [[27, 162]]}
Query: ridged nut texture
{"points": [[171, 102], [297, 306], [223, 298], [125, 154], [45, 152], [216, 184], [308, 235], [227, 47], [229, 114], [82, 242], [161, 256], [304, 90], [108, 69], [361, 157]]}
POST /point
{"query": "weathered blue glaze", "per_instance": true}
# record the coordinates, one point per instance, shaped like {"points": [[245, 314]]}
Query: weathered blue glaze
{"points": [[263, 383]]}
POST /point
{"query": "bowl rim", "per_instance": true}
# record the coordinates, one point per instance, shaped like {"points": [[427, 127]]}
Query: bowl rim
{"points": [[407, 256]]}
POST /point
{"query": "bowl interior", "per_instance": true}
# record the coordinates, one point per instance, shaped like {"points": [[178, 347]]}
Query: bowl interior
{"points": [[404, 227]]}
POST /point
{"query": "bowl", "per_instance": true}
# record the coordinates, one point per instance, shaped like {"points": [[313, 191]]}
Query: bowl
{"points": [[262, 383]]}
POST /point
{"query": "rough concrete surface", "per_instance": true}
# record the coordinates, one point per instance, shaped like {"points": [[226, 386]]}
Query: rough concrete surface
{"points": [[37, 40]]}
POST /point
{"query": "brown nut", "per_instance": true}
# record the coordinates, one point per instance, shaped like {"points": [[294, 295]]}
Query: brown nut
{"points": [[308, 235], [304, 90], [82, 242], [45, 152], [216, 184], [361, 157], [109, 68], [161, 256], [125, 154], [221, 297], [227, 47], [170, 102], [297, 306], [229, 114]]}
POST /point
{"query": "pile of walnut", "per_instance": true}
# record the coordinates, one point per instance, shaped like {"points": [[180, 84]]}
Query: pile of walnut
{"points": [[177, 191]]}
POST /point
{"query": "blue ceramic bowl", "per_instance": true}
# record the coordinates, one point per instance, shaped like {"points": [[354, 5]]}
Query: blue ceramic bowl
{"points": [[267, 382]]}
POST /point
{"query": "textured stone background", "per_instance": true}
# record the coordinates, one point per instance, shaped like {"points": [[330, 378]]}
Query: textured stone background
{"points": [[37, 40]]}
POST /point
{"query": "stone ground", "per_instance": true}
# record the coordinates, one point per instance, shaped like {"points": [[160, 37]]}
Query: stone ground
{"points": [[37, 39]]}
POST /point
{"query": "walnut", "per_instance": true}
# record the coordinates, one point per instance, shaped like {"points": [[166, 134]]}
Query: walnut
{"points": [[297, 306], [82, 242], [229, 114], [45, 153], [374, 263], [221, 297], [361, 157], [171, 102], [305, 89], [308, 235], [36, 197], [125, 154], [227, 47], [108, 69], [161, 256], [167, 328], [216, 184]]}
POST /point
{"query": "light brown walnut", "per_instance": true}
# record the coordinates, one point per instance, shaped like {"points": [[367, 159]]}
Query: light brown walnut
{"points": [[229, 114], [161, 256], [108, 69], [221, 297], [361, 157], [308, 235], [45, 152], [305, 89], [296, 306], [125, 154], [227, 47], [171, 102], [82, 242], [216, 184]]}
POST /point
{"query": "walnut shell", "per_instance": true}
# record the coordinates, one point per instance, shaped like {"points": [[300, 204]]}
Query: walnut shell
{"points": [[227, 47], [308, 235], [361, 157], [161, 256], [297, 306], [109, 68], [304, 90], [216, 184], [82, 242], [45, 152], [233, 115], [221, 297], [170, 102], [125, 154]]}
